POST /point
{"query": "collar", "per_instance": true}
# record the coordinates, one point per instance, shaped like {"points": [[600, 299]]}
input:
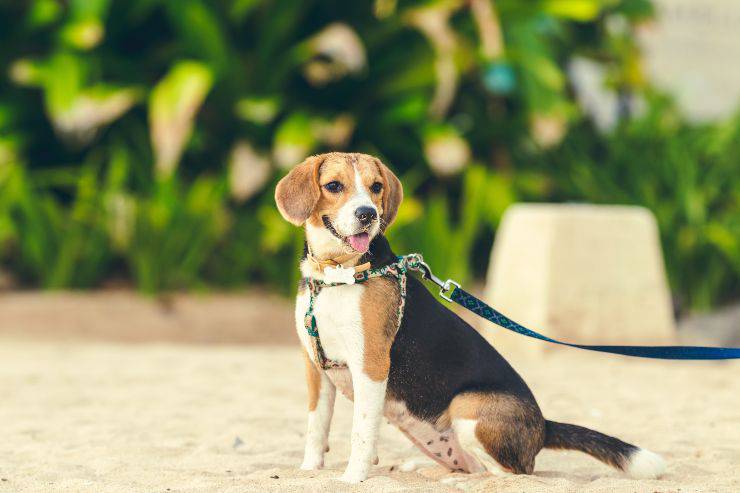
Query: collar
{"points": [[396, 269], [338, 262]]}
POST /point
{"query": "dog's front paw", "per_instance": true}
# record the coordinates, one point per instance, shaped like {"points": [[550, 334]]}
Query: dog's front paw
{"points": [[353, 476], [312, 463]]}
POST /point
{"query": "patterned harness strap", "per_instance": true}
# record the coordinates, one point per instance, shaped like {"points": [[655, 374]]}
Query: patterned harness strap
{"points": [[398, 270]]}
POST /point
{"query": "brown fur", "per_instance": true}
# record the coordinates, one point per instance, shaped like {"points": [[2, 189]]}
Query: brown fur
{"points": [[341, 167], [332, 169], [392, 195], [379, 322], [511, 430], [298, 192], [443, 422], [313, 380], [300, 195]]}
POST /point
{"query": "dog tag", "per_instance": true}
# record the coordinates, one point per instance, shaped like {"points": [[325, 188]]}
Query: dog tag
{"points": [[339, 274]]}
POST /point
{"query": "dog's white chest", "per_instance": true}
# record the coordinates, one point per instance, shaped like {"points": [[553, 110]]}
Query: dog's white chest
{"points": [[338, 321]]}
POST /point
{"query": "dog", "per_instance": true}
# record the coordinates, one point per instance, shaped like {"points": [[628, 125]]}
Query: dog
{"points": [[407, 358]]}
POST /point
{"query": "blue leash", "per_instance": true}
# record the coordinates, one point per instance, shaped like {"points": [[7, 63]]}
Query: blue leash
{"points": [[451, 291]]}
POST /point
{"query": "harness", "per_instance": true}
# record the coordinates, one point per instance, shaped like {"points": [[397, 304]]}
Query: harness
{"points": [[398, 270]]}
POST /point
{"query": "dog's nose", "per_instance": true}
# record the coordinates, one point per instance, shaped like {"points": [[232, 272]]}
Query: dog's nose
{"points": [[366, 215]]}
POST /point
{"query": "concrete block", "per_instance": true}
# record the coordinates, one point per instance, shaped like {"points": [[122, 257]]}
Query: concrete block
{"points": [[581, 273]]}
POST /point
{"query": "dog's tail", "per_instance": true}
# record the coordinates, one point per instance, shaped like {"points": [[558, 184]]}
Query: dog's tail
{"points": [[635, 461]]}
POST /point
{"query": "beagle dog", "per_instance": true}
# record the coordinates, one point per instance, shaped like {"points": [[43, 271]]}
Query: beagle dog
{"points": [[422, 367]]}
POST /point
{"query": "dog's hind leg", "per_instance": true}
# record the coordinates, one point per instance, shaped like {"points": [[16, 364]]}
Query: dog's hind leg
{"points": [[321, 394], [502, 432]]}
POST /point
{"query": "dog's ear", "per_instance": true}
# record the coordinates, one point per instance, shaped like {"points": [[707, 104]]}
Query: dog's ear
{"points": [[392, 195], [298, 192]]}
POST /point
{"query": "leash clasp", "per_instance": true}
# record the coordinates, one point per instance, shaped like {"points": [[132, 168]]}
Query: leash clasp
{"points": [[445, 287]]}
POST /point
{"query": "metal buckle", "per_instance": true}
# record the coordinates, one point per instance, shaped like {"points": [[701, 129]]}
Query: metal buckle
{"points": [[447, 288]]}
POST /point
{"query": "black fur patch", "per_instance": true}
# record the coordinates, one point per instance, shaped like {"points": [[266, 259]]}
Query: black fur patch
{"points": [[436, 355], [610, 450]]}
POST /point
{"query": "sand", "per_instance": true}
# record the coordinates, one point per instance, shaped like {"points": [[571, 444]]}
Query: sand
{"points": [[122, 315], [78, 416]]}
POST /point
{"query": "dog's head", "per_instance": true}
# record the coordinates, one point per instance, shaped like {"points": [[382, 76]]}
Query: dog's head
{"points": [[344, 200]]}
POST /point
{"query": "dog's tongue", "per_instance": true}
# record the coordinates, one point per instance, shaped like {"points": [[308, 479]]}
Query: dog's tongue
{"points": [[360, 242]]}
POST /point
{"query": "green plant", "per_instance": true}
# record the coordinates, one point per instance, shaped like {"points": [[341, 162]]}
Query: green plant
{"points": [[687, 175], [174, 233], [143, 137], [58, 246], [446, 235]]}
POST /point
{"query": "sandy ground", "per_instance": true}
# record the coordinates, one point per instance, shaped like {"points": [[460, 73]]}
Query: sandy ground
{"points": [[252, 317], [179, 418]]}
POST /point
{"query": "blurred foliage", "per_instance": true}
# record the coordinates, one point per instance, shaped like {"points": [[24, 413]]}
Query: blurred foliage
{"points": [[142, 138], [689, 176]]}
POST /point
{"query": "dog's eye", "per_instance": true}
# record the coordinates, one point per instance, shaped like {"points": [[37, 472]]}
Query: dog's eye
{"points": [[376, 187], [334, 187]]}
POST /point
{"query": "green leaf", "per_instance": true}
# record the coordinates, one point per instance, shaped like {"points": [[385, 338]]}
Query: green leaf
{"points": [[260, 110], [173, 104], [43, 13], [83, 34], [578, 10], [544, 70], [64, 77], [86, 27], [727, 242], [294, 140], [201, 33]]}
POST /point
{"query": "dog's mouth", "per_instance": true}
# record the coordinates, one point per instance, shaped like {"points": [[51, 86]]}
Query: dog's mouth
{"points": [[360, 242]]}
